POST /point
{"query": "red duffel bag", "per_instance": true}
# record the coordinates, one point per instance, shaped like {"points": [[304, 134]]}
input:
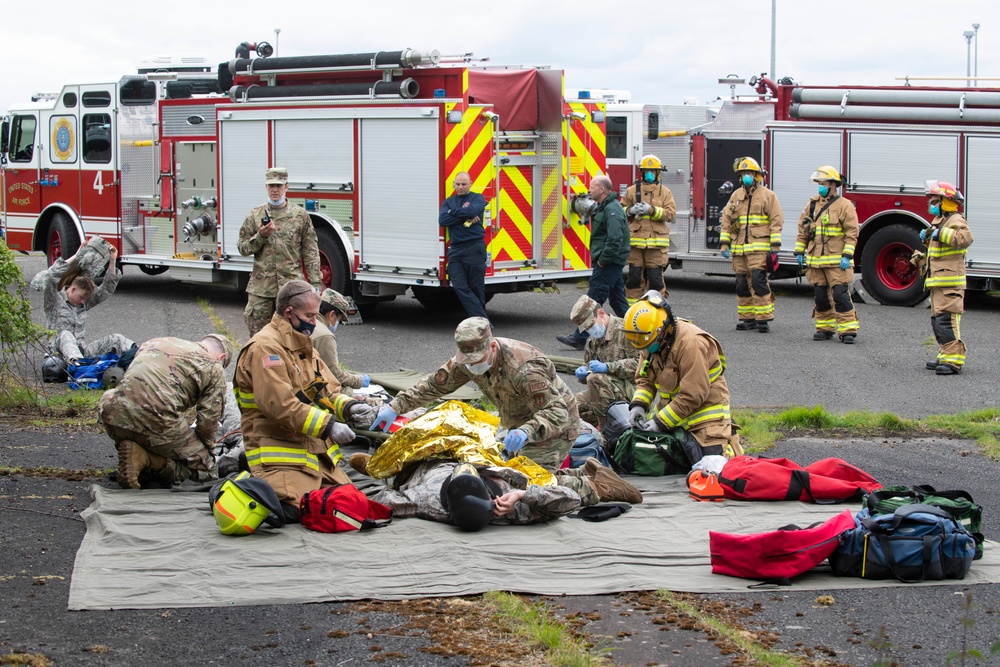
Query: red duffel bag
{"points": [[337, 509], [778, 554], [826, 481]]}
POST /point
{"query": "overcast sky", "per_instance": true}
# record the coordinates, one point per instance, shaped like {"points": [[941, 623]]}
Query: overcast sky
{"points": [[659, 51]]}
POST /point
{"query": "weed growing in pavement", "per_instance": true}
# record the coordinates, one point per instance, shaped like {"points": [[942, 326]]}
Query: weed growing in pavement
{"points": [[21, 340], [967, 621], [218, 322], [761, 429], [534, 622], [883, 646]]}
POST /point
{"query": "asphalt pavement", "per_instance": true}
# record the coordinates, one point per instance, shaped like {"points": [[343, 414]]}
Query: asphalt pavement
{"points": [[883, 371]]}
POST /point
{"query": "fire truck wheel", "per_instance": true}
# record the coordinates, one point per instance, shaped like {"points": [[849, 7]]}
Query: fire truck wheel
{"points": [[63, 240], [332, 263], [886, 271], [437, 298], [151, 270]]}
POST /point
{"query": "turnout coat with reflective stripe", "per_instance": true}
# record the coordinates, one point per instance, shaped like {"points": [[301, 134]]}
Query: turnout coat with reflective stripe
{"points": [[946, 254], [278, 428], [826, 237], [688, 381], [751, 222], [651, 231]]}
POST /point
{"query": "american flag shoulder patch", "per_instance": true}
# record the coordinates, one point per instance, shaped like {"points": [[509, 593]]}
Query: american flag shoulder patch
{"points": [[271, 360]]}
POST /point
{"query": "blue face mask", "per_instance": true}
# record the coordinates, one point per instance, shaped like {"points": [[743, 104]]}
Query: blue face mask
{"points": [[747, 179], [335, 325], [303, 327], [480, 368], [649, 177], [934, 210], [597, 331], [277, 204], [823, 191], [654, 347]]}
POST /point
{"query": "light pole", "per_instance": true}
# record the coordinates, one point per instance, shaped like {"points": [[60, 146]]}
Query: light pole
{"points": [[277, 31], [975, 67], [968, 34], [774, 14]]}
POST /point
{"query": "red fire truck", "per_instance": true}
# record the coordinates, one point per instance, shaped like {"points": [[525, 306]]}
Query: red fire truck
{"points": [[167, 163], [886, 141]]}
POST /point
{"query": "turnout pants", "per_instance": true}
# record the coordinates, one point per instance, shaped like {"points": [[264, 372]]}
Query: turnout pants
{"points": [[754, 300], [467, 274], [645, 272], [947, 306], [834, 309], [291, 482]]}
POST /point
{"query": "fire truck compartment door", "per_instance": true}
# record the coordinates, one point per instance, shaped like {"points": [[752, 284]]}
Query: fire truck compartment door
{"points": [[243, 161], [794, 157], [400, 198], [899, 162], [982, 199]]}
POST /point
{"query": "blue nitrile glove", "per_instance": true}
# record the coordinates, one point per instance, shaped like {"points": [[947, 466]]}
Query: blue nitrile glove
{"points": [[923, 235], [801, 259], [726, 253], [845, 263], [936, 234], [515, 441], [365, 380], [581, 373], [385, 418], [598, 366]]}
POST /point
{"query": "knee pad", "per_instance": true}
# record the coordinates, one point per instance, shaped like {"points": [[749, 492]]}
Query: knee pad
{"points": [[943, 330], [821, 297], [742, 285], [758, 278], [634, 280], [842, 298], [654, 275]]}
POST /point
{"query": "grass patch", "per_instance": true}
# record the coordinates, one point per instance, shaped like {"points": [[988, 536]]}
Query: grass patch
{"points": [[534, 622], [217, 322], [49, 407], [29, 659], [761, 429], [743, 641], [55, 473]]}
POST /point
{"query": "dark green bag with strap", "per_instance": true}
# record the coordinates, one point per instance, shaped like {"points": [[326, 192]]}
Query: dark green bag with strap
{"points": [[957, 503], [652, 454]]}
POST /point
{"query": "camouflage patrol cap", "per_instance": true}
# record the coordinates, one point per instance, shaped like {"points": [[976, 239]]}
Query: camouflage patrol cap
{"points": [[333, 300], [89, 261], [227, 346], [473, 337], [583, 313], [276, 176]]}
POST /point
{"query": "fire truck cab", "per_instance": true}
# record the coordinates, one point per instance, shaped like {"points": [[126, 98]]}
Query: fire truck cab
{"points": [[167, 163]]}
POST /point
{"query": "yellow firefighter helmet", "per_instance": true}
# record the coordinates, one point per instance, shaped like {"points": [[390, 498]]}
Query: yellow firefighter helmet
{"points": [[650, 162], [241, 504], [826, 173], [746, 164], [650, 322]]}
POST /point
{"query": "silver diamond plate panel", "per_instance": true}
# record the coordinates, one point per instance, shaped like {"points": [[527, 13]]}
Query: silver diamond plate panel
{"points": [[741, 120], [551, 196], [175, 120]]}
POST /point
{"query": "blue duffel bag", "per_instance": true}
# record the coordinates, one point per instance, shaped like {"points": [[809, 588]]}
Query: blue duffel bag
{"points": [[914, 543]]}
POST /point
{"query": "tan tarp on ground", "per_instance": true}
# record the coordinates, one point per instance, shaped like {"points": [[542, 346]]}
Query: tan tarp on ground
{"points": [[154, 549]]}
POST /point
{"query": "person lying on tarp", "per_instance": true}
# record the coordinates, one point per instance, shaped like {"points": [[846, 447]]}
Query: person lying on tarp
{"points": [[471, 496]]}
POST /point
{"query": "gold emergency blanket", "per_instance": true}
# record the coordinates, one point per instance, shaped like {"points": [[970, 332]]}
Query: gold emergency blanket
{"points": [[454, 431]]}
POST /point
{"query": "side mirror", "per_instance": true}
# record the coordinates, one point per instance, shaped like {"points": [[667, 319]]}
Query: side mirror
{"points": [[5, 136]]}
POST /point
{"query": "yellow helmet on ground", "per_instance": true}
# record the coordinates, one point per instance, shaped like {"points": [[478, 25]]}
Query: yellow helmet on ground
{"points": [[826, 173], [650, 322], [240, 504], [650, 162], [746, 164]]}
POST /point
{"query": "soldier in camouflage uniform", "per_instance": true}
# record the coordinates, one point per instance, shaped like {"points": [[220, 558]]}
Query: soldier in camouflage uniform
{"points": [[149, 414], [535, 405], [69, 292], [609, 361], [334, 307], [281, 238]]}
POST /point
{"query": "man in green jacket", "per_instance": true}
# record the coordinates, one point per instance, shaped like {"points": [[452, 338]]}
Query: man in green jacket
{"points": [[609, 249]]}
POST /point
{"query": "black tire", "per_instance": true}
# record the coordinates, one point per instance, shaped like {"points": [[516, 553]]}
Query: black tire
{"points": [[151, 270], [367, 308], [438, 299], [885, 269], [333, 263], [62, 241]]}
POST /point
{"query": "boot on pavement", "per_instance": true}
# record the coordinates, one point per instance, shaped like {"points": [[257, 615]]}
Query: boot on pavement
{"points": [[360, 462], [609, 486], [133, 460]]}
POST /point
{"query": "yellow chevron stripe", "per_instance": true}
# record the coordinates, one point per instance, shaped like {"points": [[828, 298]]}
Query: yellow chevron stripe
{"points": [[503, 241], [518, 180], [515, 215]]}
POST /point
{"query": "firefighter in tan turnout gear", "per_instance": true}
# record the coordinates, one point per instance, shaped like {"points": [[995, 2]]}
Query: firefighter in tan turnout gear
{"points": [[281, 238], [681, 367], [751, 229], [650, 206], [293, 416], [828, 233], [947, 240]]}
